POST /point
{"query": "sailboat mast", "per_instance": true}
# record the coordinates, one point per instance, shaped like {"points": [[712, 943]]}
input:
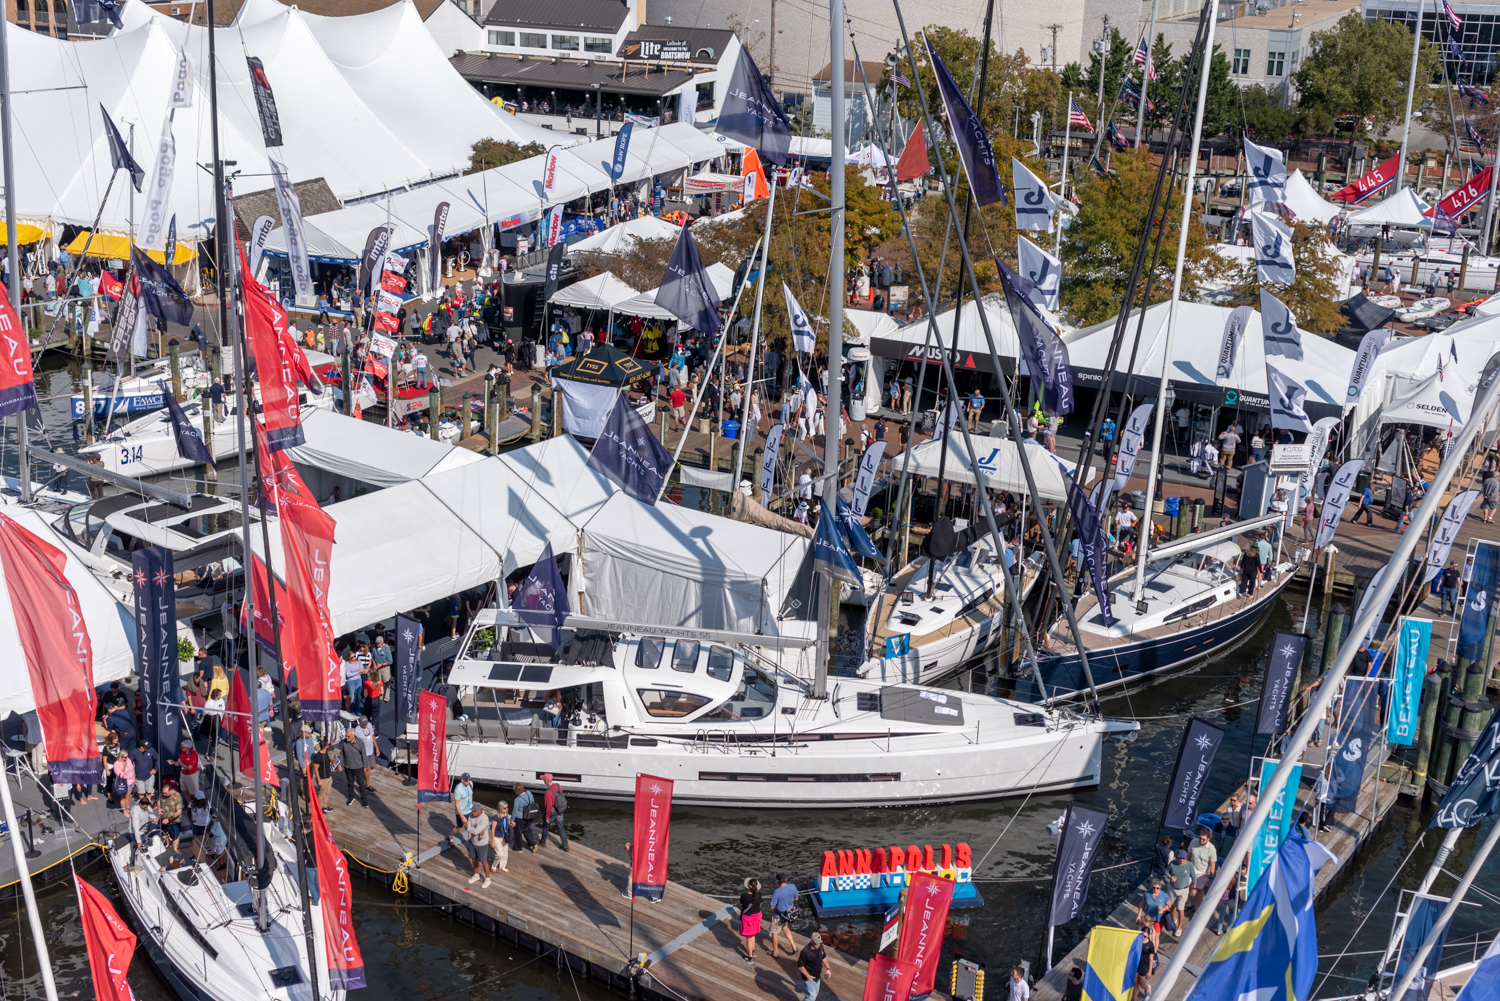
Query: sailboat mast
{"points": [[748, 431], [12, 247], [1159, 415], [1411, 90], [835, 380]]}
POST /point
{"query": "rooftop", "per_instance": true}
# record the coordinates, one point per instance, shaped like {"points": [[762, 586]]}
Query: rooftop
{"points": [[1297, 14], [873, 72], [596, 15], [569, 74]]}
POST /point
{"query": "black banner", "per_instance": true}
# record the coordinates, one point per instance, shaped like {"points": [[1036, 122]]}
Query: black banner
{"points": [[1081, 837], [120, 331], [265, 102], [1276, 693], [159, 293], [373, 262], [1475, 792], [408, 670], [554, 269], [156, 651], [1195, 759]]}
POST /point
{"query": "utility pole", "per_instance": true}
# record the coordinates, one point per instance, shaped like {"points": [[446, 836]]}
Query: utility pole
{"points": [[1054, 28], [771, 60], [1103, 55]]}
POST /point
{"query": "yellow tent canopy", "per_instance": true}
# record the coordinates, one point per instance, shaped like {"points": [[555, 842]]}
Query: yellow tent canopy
{"points": [[105, 245], [24, 233]]}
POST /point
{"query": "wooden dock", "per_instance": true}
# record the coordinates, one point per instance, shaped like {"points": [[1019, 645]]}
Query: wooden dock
{"points": [[1350, 832], [572, 906]]}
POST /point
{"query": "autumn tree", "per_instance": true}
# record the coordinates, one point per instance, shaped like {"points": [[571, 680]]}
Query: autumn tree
{"points": [[487, 153], [1311, 296]]}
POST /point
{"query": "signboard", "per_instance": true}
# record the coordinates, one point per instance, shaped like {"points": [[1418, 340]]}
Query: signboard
{"points": [[899, 294], [657, 48], [1287, 460]]}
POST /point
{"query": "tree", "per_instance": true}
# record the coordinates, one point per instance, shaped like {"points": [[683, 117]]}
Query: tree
{"points": [[1085, 83], [487, 153], [1311, 296], [1266, 117], [1360, 68], [1101, 242]]}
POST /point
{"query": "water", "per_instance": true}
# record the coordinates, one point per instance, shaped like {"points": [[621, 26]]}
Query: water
{"points": [[414, 952]]}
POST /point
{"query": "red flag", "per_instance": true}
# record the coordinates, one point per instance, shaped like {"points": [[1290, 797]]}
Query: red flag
{"points": [[261, 604], [648, 846], [109, 942], [267, 767], [346, 967], [1466, 196], [301, 368], [376, 366], [110, 286], [924, 921], [1376, 180], [888, 979], [432, 749], [17, 387], [238, 709], [387, 322], [913, 162], [266, 327], [392, 282], [59, 654], [307, 642]]}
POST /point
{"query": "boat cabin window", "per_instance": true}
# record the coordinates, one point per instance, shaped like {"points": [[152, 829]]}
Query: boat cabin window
{"points": [[648, 652], [754, 699], [664, 702], [720, 663], [685, 656]]}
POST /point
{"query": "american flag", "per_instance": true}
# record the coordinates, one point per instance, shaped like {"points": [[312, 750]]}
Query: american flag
{"points": [[1143, 56], [1475, 167], [900, 78], [1453, 18], [1098, 167], [1076, 115], [1130, 93], [1112, 133], [1473, 94], [1456, 52], [1473, 137]]}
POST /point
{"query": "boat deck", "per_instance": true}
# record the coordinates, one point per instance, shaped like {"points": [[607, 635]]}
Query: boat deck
{"points": [[94, 825], [571, 905]]}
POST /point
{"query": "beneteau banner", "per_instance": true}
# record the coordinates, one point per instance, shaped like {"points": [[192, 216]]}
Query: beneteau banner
{"points": [[59, 653], [432, 750], [346, 967], [648, 846]]}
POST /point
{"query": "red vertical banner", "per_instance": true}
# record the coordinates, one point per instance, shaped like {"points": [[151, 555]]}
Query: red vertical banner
{"points": [[59, 653], [109, 942], [238, 709], [888, 979], [261, 606], [648, 846], [267, 767], [432, 749], [17, 387], [346, 967], [266, 331], [924, 922]]}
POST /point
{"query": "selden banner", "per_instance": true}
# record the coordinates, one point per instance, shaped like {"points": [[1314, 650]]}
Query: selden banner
{"points": [[648, 846]]}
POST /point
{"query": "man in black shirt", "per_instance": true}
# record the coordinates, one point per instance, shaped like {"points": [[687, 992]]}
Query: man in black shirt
{"points": [[812, 965], [1074, 990], [321, 772], [355, 761], [1163, 857]]}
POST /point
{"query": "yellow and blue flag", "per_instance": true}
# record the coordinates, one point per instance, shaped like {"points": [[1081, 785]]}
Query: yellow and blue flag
{"points": [[1271, 952], [1109, 971]]}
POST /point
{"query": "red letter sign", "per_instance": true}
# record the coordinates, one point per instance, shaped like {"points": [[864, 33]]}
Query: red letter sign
{"points": [[432, 749], [648, 848]]}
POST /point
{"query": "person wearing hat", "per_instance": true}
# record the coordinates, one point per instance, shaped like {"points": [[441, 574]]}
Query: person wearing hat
{"points": [[812, 965], [1180, 872], [750, 916], [145, 762], [554, 806], [199, 814], [479, 832], [463, 800], [365, 731], [187, 761], [783, 901]]}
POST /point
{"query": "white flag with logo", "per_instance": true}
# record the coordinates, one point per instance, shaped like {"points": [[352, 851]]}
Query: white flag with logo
{"points": [[1447, 532], [768, 462], [865, 480], [1229, 347], [182, 83], [1364, 361], [803, 338], [291, 228], [1267, 169], [1279, 327], [1335, 500], [1272, 240], [552, 226], [259, 231], [1034, 202], [1287, 399], [551, 171], [1130, 448], [381, 344], [1043, 271]]}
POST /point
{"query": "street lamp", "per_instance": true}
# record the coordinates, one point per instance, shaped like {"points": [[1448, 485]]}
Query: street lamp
{"points": [[598, 109]]}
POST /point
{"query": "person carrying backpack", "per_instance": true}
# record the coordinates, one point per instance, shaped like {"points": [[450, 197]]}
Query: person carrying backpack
{"points": [[526, 814], [554, 806]]}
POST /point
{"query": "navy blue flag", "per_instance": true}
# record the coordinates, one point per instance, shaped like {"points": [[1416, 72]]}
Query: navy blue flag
{"points": [[752, 115], [1082, 835], [189, 440], [685, 290], [622, 150], [1098, 167], [1358, 729], [1425, 913], [1475, 791], [973, 142], [119, 152], [829, 554], [159, 293], [156, 652], [854, 533], [408, 673], [1456, 52], [1045, 353], [628, 453], [542, 600], [1276, 691], [1479, 599], [1091, 538], [1195, 759]]}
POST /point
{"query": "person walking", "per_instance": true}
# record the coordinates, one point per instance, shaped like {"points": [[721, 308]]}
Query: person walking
{"points": [[354, 761], [526, 813], [1366, 507], [1205, 864], [1310, 520], [187, 761], [554, 806], [462, 795], [783, 902], [1449, 588], [1229, 441], [1020, 990], [812, 965], [750, 904], [320, 770], [478, 833], [1181, 874], [500, 841], [365, 731], [1147, 965], [1489, 497]]}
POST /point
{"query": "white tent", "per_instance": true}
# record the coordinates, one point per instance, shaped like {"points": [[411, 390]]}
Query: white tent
{"points": [[1403, 208], [1432, 380], [622, 237], [868, 156], [110, 624], [368, 453], [999, 462], [1305, 202], [644, 305], [909, 342], [602, 292]]}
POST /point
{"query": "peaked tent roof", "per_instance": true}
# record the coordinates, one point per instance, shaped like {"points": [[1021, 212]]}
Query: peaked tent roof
{"points": [[999, 461], [603, 291], [623, 236], [973, 348], [1305, 201], [1403, 208]]}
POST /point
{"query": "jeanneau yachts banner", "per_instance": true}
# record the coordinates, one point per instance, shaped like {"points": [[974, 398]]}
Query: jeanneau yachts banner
{"points": [[186, 434], [1195, 759], [432, 750], [686, 291], [1276, 690], [156, 650], [1082, 835], [17, 387], [109, 941], [408, 674], [346, 967], [648, 846], [1095, 548], [59, 653], [975, 151], [542, 600], [924, 921], [888, 979], [752, 115], [629, 454]]}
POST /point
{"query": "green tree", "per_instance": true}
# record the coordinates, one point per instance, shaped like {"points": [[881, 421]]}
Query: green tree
{"points": [[1311, 296], [1266, 116], [487, 153], [1085, 82], [1359, 68]]}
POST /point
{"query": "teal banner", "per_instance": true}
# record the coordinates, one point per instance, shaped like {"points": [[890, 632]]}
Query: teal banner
{"points": [[1412, 640], [1269, 838]]}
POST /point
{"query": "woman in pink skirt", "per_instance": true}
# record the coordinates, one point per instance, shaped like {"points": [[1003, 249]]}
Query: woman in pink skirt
{"points": [[750, 916]]}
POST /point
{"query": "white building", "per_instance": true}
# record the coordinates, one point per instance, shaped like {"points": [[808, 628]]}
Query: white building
{"points": [[1265, 45]]}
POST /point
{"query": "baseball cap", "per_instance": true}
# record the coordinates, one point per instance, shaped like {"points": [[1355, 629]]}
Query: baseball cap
{"points": [[464, 777], [546, 776]]}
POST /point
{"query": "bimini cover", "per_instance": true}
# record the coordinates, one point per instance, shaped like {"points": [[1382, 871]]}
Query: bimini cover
{"points": [[999, 463]]}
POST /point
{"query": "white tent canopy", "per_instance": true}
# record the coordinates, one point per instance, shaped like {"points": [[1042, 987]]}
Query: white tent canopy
{"points": [[973, 349], [1432, 380], [603, 292], [644, 305], [366, 452], [1305, 202], [1403, 208], [622, 237], [999, 462]]}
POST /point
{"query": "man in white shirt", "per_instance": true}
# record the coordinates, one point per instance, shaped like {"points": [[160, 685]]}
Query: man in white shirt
{"points": [[1126, 519], [1019, 990]]}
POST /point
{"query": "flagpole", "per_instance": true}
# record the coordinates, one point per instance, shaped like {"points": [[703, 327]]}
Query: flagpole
{"points": [[748, 433], [1489, 210], [1411, 89], [1144, 529], [1140, 108], [13, 274], [1440, 926], [38, 933], [1062, 187]]}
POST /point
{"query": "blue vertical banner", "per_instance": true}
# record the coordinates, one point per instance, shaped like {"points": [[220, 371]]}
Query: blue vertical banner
{"points": [[1425, 912], [622, 150], [1413, 637], [408, 669], [1268, 840], [1478, 600], [156, 651]]}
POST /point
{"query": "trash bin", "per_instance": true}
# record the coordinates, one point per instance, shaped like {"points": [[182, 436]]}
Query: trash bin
{"points": [[857, 409], [731, 429]]}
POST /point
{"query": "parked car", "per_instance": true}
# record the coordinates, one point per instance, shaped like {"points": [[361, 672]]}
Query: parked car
{"points": [[1424, 308]]}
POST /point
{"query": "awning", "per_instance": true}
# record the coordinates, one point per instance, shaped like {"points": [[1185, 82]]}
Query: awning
{"points": [[707, 183], [570, 74], [599, 292], [24, 233], [999, 461], [623, 237], [370, 453], [118, 247], [1403, 208]]}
